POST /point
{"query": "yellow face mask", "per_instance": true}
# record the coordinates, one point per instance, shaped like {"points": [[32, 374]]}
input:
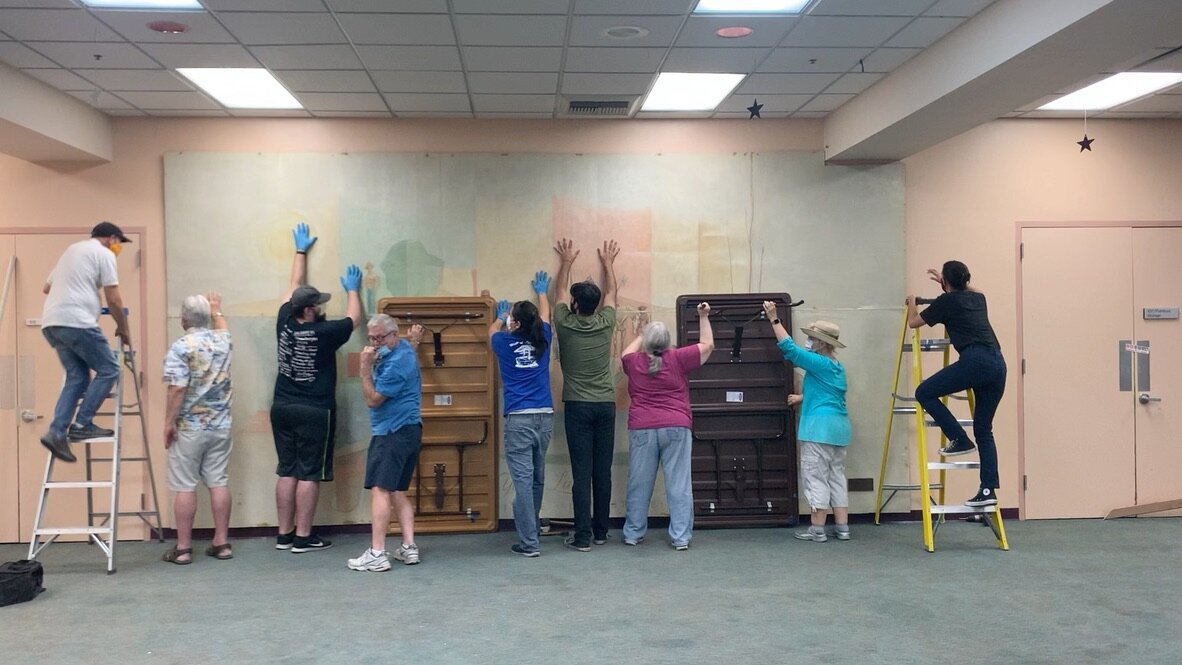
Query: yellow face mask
{"points": [[115, 248]]}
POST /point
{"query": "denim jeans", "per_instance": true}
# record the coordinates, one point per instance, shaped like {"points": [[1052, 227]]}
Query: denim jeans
{"points": [[527, 436], [670, 446], [591, 438], [81, 351], [984, 370]]}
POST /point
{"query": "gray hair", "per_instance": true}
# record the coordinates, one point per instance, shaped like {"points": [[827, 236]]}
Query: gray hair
{"points": [[383, 321], [655, 341], [195, 312]]}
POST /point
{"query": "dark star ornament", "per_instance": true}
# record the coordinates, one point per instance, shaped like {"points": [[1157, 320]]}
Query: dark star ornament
{"points": [[1085, 144], [754, 109]]}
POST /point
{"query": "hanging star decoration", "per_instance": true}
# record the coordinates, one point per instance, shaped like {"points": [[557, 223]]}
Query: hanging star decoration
{"points": [[754, 109], [1085, 144]]}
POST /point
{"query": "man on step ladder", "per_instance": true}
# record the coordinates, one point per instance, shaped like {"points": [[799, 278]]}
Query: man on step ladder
{"points": [[69, 322]]}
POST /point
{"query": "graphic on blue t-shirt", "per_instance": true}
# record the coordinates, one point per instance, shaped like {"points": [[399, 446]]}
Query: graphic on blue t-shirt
{"points": [[523, 355]]}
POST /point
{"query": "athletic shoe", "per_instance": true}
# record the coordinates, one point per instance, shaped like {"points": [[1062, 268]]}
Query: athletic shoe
{"points": [[581, 547], [370, 561], [407, 554], [634, 543], [310, 543], [518, 549], [602, 540], [840, 533], [58, 446], [679, 547], [984, 497], [958, 448], [813, 533], [91, 431], [284, 541]]}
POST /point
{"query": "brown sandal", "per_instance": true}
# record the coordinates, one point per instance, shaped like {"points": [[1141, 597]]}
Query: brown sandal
{"points": [[174, 556], [221, 552]]}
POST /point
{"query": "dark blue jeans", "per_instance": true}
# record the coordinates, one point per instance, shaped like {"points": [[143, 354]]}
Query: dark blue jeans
{"points": [[81, 351], [984, 370], [591, 439]]}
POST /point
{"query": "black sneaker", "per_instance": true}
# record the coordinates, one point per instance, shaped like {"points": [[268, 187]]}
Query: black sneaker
{"points": [[312, 543], [575, 545], [985, 497], [58, 446], [958, 448], [601, 540], [518, 549], [284, 541], [90, 431]]}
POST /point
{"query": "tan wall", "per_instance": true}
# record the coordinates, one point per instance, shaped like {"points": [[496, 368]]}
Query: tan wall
{"points": [[966, 195]]}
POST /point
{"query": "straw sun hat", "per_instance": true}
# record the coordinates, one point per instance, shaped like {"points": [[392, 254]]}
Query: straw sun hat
{"points": [[824, 331]]}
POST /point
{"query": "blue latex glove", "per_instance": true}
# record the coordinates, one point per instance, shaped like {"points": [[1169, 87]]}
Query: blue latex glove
{"points": [[352, 278], [503, 308], [541, 282], [303, 237]]}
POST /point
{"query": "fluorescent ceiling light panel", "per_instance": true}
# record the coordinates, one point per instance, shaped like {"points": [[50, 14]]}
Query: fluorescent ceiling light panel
{"points": [[750, 6], [690, 92], [143, 4], [1113, 91], [242, 88]]}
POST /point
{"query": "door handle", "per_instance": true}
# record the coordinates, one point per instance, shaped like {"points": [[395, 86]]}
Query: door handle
{"points": [[28, 416], [1144, 398]]}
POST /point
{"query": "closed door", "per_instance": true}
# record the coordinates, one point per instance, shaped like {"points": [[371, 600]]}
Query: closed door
{"points": [[1089, 444]]}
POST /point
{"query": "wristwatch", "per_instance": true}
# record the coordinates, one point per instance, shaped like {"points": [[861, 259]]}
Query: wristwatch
{"points": [[775, 322]]}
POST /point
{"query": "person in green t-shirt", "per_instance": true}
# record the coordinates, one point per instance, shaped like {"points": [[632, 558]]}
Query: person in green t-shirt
{"points": [[585, 328]]}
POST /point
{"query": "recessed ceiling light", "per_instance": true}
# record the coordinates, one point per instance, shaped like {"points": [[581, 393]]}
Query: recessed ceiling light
{"points": [[734, 32], [1114, 90], [625, 32], [689, 92], [240, 88], [168, 27], [750, 6], [143, 4]]}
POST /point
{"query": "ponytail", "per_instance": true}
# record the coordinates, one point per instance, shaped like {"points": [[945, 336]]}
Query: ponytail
{"points": [[655, 340], [956, 275], [532, 328]]}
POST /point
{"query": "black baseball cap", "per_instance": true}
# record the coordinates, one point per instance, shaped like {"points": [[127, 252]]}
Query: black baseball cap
{"points": [[106, 230], [307, 296]]}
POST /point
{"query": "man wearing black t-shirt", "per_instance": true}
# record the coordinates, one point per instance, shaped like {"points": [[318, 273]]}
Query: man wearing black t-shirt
{"points": [[303, 415]]}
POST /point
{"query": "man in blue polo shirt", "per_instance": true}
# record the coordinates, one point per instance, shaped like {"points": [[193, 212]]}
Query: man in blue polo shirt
{"points": [[393, 387]]}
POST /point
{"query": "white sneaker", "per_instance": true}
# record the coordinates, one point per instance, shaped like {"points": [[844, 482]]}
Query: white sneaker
{"points": [[374, 562], [813, 533], [407, 554]]}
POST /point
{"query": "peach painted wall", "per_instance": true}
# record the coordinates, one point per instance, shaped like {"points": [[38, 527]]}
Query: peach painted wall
{"points": [[966, 195]]}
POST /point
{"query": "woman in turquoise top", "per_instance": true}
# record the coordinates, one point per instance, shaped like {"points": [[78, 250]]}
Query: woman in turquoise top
{"points": [[824, 430]]}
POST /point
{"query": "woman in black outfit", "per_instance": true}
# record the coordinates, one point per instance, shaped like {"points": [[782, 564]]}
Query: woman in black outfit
{"points": [[981, 367]]}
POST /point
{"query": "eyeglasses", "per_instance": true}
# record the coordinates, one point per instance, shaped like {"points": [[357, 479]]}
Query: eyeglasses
{"points": [[378, 339]]}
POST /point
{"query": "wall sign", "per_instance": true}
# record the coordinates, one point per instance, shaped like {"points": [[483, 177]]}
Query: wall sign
{"points": [[1159, 313]]}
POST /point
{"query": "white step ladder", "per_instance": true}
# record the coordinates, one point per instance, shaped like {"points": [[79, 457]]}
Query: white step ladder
{"points": [[100, 527]]}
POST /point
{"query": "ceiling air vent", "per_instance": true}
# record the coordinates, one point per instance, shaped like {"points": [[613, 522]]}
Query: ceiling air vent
{"points": [[590, 107]]}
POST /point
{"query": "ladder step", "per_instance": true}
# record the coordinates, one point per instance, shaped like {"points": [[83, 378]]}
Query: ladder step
{"points": [[72, 531], [964, 422], [97, 439], [961, 509], [935, 344], [913, 488], [132, 513], [121, 459], [954, 465], [78, 484]]}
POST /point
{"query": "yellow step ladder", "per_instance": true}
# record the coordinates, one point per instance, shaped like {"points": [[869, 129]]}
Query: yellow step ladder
{"points": [[903, 405]]}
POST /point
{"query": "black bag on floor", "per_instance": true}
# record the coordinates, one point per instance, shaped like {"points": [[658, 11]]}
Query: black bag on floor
{"points": [[20, 581]]}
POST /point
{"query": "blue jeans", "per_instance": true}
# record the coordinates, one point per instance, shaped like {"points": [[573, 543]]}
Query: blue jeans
{"points": [[984, 370], [527, 437], [591, 439], [670, 446], [81, 351]]}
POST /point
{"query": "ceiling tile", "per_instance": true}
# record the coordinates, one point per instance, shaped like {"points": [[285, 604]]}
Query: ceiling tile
{"points": [[187, 113], [786, 83], [513, 103], [328, 56], [589, 30], [269, 113], [719, 60], [326, 81], [1162, 61], [771, 103], [512, 83], [511, 6], [352, 114], [826, 102], [39, 4], [62, 79], [435, 114], [389, 81], [1153, 104], [746, 115], [606, 84], [101, 100], [1131, 115], [169, 100], [441, 58], [843, 31], [513, 114], [19, 55], [871, 8], [590, 59], [700, 31], [386, 6], [487, 30], [923, 32], [810, 114], [341, 101], [633, 7], [398, 28], [264, 5], [962, 8], [800, 60], [409, 103], [117, 80], [853, 83], [201, 55], [124, 112], [203, 27], [283, 28], [81, 55], [885, 60], [512, 59], [59, 25]]}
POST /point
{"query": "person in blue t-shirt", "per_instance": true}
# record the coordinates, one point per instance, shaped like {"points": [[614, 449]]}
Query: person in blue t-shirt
{"points": [[393, 388], [824, 428], [520, 338]]}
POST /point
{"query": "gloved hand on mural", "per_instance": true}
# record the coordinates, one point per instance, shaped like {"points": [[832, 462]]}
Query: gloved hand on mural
{"points": [[541, 283], [303, 238], [352, 278], [503, 307]]}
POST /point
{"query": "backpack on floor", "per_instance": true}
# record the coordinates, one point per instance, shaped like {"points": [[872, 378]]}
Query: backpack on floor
{"points": [[20, 581]]}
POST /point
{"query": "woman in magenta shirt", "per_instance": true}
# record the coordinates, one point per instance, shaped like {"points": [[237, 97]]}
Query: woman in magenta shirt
{"points": [[659, 422]]}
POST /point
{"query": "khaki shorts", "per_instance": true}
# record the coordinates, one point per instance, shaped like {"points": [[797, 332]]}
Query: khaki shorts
{"points": [[199, 455], [822, 471]]}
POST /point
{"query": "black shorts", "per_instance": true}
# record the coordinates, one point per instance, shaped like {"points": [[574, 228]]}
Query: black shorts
{"points": [[304, 438], [392, 458]]}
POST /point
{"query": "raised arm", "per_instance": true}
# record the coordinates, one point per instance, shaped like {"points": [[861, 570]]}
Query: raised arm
{"points": [[607, 256], [566, 256], [299, 264], [769, 309], [502, 320], [351, 281], [914, 320], [373, 398], [541, 286], [638, 325], [115, 306], [217, 321], [705, 332]]}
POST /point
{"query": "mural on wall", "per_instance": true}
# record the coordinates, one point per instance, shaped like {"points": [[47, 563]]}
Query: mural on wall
{"points": [[458, 225]]}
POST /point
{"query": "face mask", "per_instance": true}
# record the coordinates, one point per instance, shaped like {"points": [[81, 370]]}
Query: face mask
{"points": [[321, 317], [115, 248], [384, 351], [808, 344]]}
